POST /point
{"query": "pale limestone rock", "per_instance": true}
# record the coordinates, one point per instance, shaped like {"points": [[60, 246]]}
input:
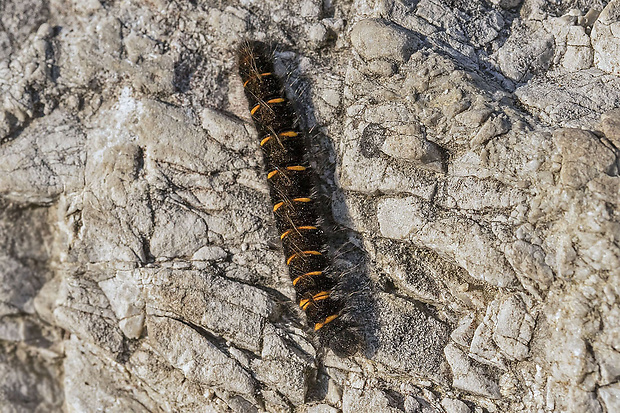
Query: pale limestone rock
{"points": [[471, 247], [199, 360], [414, 148], [610, 125], [226, 130], [475, 194], [606, 38], [610, 396], [483, 348], [412, 340], [161, 379], [513, 328], [318, 34], [18, 287], [208, 301], [406, 218], [464, 332], [495, 126], [473, 153], [322, 408], [208, 253], [609, 361], [80, 305], [475, 116], [28, 380], [176, 234], [112, 389], [380, 39], [45, 162], [411, 269], [583, 157], [379, 67], [577, 58], [592, 92], [283, 368], [526, 56], [467, 376], [375, 399], [125, 296], [398, 217], [454, 406], [529, 263]]}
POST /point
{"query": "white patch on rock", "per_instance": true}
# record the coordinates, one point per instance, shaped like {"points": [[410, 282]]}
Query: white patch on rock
{"points": [[125, 296], [399, 217]]}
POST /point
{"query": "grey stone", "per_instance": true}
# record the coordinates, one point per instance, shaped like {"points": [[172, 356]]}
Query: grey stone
{"points": [[199, 359], [454, 406], [529, 264], [471, 150], [415, 148], [379, 67], [365, 173], [83, 309], [29, 381], [482, 347], [126, 301], [93, 379], [237, 312], [610, 396], [493, 127], [322, 408], [282, 368], [48, 160], [406, 218], [18, 287], [605, 38], [592, 92], [577, 58], [411, 340], [577, 400], [377, 38], [464, 332], [513, 329], [583, 157], [467, 376], [399, 217], [475, 116], [161, 379], [608, 359], [475, 194], [506, 4], [610, 125], [355, 400], [481, 249], [526, 56], [170, 221], [411, 269]]}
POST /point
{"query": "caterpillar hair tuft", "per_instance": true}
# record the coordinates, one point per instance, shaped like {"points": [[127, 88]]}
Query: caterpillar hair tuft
{"points": [[295, 208]]}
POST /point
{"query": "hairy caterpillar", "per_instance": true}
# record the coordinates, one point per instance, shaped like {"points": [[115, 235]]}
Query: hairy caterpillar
{"points": [[296, 214]]}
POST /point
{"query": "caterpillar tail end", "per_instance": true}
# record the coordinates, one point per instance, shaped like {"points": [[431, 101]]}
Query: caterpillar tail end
{"points": [[344, 339]]}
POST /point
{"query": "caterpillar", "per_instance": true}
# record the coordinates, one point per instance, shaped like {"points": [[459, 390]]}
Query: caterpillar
{"points": [[295, 208]]}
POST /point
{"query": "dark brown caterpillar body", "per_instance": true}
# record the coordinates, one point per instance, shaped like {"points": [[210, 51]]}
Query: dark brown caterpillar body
{"points": [[291, 187]]}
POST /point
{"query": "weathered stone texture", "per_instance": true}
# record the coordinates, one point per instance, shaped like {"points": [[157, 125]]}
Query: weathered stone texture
{"points": [[467, 154]]}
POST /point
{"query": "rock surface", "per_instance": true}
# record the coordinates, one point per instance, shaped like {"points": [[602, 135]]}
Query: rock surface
{"points": [[468, 155]]}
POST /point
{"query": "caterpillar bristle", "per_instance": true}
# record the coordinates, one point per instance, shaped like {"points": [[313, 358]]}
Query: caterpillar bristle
{"points": [[294, 202]]}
